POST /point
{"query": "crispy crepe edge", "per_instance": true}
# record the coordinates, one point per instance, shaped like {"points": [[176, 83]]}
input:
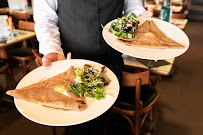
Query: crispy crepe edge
{"points": [[58, 100], [167, 43], [150, 44]]}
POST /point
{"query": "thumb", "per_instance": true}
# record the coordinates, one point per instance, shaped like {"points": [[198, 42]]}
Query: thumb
{"points": [[69, 56], [46, 61]]}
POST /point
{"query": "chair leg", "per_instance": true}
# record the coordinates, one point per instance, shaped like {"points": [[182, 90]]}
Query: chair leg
{"points": [[151, 114], [106, 124], [137, 123], [54, 130], [37, 63], [8, 81], [28, 65], [154, 111], [11, 76], [143, 119], [1, 90], [131, 123], [24, 67]]}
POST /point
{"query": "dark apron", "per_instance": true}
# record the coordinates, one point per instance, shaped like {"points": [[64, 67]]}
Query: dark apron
{"points": [[81, 34]]}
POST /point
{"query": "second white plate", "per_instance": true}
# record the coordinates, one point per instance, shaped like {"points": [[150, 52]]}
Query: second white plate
{"points": [[152, 54]]}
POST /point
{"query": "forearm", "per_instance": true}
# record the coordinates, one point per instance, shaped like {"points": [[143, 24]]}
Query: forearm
{"points": [[134, 6], [46, 28]]}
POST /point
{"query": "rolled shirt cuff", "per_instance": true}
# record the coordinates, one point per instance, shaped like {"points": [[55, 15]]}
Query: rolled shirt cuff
{"points": [[47, 48]]}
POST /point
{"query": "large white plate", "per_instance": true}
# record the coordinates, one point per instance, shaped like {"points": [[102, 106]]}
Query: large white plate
{"points": [[152, 54], [57, 117]]}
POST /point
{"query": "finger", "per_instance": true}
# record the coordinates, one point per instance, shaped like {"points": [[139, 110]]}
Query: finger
{"points": [[61, 57], [149, 14], [69, 56], [46, 61], [143, 14]]}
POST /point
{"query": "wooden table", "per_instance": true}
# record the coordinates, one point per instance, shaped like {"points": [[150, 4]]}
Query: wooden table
{"points": [[28, 10], [153, 7], [131, 62], [4, 11], [22, 36], [180, 23]]}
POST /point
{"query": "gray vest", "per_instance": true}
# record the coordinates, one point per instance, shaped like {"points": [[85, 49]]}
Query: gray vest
{"points": [[80, 26]]}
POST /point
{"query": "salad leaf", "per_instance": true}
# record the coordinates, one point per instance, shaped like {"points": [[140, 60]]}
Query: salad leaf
{"points": [[89, 82], [124, 27]]}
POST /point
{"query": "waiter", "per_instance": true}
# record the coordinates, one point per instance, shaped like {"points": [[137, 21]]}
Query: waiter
{"points": [[64, 26]]}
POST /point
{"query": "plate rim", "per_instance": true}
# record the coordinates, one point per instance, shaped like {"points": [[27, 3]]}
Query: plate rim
{"points": [[147, 49], [16, 101]]}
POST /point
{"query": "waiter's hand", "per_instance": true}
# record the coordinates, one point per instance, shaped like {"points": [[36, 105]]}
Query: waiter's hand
{"points": [[51, 57], [147, 14]]}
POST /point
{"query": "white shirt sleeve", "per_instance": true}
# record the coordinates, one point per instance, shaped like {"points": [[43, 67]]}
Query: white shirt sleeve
{"points": [[46, 28], [133, 6], [46, 20]]}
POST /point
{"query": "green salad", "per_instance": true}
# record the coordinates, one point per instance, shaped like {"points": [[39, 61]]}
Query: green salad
{"points": [[89, 82], [124, 27]]}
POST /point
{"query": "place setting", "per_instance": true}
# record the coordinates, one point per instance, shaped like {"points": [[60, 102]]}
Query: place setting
{"points": [[40, 111], [148, 43]]}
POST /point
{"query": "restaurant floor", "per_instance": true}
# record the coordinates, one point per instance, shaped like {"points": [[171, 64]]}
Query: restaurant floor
{"points": [[179, 106]]}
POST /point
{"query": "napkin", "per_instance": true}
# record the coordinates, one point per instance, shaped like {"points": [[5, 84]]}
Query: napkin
{"points": [[3, 27], [17, 4], [153, 63]]}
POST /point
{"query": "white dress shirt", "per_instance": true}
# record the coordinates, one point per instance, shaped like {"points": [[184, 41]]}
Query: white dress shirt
{"points": [[46, 21]]}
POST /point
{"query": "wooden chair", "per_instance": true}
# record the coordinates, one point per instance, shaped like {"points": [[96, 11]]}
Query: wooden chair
{"points": [[25, 25], [179, 15], [6, 70], [24, 54], [38, 59], [19, 16], [143, 104], [6, 102], [3, 12], [184, 5], [156, 12]]}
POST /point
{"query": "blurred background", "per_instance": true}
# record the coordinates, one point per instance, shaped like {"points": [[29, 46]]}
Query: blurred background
{"points": [[180, 103]]}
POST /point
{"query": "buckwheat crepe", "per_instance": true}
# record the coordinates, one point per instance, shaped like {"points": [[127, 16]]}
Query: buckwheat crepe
{"points": [[148, 35], [44, 93]]}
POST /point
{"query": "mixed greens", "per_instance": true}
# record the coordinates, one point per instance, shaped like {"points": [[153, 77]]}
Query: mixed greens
{"points": [[89, 82], [124, 27]]}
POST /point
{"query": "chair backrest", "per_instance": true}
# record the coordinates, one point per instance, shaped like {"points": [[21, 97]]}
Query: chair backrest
{"points": [[20, 16], [135, 80], [130, 80], [3, 12], [179, 16], [38, 59], [25, 25]]}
